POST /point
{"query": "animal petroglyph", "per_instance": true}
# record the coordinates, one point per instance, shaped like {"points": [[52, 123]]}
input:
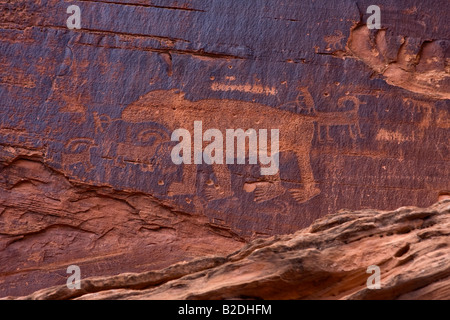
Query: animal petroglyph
{"points": [[344, 118], [134, 140], [171, 109], [141, 151], [392, 136], [426, 109], [350, 118], [304, 102], [78, 151], [334, 41], [256, 89], [443, 120], [125, 144]]}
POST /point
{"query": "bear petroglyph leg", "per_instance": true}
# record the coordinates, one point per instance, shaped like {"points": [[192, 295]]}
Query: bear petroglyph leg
{"points": [[310, 189], [222, 189]]}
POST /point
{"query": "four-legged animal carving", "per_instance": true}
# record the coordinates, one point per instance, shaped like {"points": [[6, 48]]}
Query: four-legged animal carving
{"points": [[174, 111]]}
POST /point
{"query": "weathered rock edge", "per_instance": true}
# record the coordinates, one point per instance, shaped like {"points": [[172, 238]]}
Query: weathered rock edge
{"points": [[328, 260]]}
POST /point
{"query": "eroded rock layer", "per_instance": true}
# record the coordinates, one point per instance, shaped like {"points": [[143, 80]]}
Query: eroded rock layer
{"points": [[48, 223], [328, 260]]}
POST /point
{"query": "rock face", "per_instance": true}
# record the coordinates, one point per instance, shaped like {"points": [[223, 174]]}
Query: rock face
{"points": [[328, 260], [87, 115], [48, 223]]}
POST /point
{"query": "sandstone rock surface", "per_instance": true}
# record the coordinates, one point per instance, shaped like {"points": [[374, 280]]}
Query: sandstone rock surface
{"points": [[86, 117], [328, 260]]}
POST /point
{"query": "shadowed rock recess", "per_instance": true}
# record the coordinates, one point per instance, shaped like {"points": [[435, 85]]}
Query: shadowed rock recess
{"points": [[328, 260], [87, 177]]}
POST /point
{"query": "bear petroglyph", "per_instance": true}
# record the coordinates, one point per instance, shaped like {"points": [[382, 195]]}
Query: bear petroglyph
{"points": [[171, 109]]}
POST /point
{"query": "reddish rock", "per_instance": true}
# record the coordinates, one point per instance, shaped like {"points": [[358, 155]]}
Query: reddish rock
{"points": [[328, 260], [48, 223], [86, 118]]}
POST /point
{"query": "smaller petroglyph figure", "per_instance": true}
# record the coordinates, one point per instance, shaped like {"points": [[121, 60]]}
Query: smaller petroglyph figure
{"points": [[420, 106], [78, 151], [101, 122], [427, 109], [334, 41], [138, 147], [303, 103], [171, 109], [348, 118]]}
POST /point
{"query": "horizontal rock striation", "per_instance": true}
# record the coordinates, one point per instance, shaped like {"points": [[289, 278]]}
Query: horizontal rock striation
{"points": [[328, 260]]}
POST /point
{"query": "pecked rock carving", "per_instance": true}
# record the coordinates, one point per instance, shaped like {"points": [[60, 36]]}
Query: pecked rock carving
{"points": [[174, 111]]}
